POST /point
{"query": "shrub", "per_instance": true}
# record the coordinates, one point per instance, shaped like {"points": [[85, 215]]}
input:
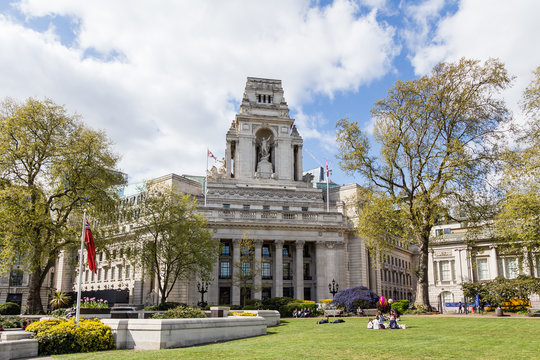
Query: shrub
{"points": [[11, 322], [275, 303], [287, 310], [59, 312], [401, 306], [254, 302], [40, 326], [180, 312], [59, 336], [10, 308], [164, 306], [354, 297]]}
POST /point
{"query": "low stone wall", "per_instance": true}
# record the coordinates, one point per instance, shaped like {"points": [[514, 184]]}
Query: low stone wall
{"points": [[271, 317], [18, 349], [154, 334]]}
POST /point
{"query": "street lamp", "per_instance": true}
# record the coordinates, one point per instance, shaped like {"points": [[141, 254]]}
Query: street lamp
{"points": [[333, 288], [202, 288]]}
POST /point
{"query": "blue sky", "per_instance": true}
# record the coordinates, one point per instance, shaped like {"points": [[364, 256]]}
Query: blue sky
{"points": [[164, 79]]}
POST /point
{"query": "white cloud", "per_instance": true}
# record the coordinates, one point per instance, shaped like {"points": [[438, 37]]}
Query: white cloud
{"points": [[170, 72], [483, 29]]}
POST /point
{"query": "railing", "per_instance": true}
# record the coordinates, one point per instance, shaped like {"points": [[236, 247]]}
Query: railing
{"points": [[240, 215]]}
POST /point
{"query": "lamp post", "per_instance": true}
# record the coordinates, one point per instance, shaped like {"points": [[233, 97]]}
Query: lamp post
{"points": [[333, 288], [202, 288]]}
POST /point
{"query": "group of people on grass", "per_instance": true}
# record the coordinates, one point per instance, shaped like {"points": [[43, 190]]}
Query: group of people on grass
{"points": [[393, 318], [305, 312]]}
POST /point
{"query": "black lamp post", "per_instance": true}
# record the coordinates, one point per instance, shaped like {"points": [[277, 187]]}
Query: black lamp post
{"points": [[333, 288], [202, 288]]}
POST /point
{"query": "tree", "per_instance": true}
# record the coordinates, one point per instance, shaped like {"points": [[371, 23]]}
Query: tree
{"points": [[438, 139], [170, 239], [51, 167], [517, 224], [246, 269], [501, 290]]}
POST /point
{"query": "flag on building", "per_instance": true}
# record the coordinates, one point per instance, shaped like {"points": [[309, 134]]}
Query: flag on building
{"points": [[211, 155], [90, 248]]}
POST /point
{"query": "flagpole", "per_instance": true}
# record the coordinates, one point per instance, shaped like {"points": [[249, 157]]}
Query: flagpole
{"points": [[206, 177], [327, 188], [80, 272]]}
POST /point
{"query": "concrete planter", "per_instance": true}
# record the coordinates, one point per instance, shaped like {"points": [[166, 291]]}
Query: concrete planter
{"points": [[154, 334]]}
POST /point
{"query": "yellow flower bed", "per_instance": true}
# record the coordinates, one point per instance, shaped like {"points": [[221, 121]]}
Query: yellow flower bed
{"points": [[242, 314], [326, 301]]}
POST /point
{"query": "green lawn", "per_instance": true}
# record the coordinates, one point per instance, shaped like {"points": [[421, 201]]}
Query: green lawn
{"points": [[426, 337]]}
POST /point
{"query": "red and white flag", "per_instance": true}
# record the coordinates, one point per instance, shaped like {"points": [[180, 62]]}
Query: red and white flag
{"points": [[327, 168], [90, 248]]}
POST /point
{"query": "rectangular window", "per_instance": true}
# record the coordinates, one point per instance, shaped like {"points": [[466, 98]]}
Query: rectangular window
{"points": [[99, 274], [246, 207], [128, 272], [306, 251], [266, 271], [288, 292], [266, 251], [286, 251], [287, 272], [266, 207], [446, 274], [246, 269], [113, 270], [119, 273], [106, 276], [482, 269], [86, 276], [286, 208], [226, 206], [16, 278], [511, 267], [538, 266], [304, 208], [225, 249], [447, 231], [307, 272], [225, 270]]}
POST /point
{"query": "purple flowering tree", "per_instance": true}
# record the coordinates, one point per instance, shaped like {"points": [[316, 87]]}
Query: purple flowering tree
{"points": [[351, 298]]}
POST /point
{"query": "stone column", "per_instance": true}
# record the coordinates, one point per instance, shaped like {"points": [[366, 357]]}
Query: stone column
{"points": [[213, 287], [278, 266], [493, 268], [433, 278], [228, 159], [235, 291], [299, 163], [320, 264], [257, 294], [299, 284]]}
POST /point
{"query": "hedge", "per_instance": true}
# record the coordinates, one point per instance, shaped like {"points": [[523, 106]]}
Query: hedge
{"points": [[181, 312], [10, 308]]}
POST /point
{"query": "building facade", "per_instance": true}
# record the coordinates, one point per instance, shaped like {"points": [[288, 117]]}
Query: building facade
{"points": [[453, 261]]}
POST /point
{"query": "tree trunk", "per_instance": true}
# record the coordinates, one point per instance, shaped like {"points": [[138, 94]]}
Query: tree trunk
{"points": [[422, 288], [33, 304]]}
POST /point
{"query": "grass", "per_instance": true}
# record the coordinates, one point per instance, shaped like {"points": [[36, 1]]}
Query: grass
{"points": [[425, 338]]}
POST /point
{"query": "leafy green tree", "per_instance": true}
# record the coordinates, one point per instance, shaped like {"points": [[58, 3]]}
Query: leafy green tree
{"points": [[438, 140], [51, 167], [517, 224], [170, 238], [501, 290]]}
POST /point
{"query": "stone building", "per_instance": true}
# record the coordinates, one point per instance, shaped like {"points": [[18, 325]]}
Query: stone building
{"points": [[453, 260], [261, 192]]}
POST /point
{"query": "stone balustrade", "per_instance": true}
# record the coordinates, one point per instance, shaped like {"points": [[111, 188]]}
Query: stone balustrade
{"points": [[278, 216]]}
